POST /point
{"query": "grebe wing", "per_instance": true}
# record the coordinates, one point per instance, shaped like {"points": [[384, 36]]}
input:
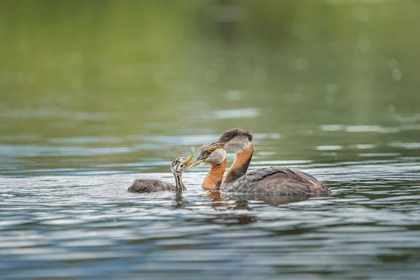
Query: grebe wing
{"points": [[279, 181]]}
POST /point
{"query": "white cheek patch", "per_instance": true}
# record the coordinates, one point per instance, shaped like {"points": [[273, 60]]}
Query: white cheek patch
{"points": [[238, 144], [213, 158]]}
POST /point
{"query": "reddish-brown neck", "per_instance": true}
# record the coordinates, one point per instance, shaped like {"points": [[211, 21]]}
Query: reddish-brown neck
{"points": [[239, 166], [214, 177]]}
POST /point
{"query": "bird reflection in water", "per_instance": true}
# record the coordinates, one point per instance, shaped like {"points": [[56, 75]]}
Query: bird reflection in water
{"points": [[217, 200], [242, 205], [274, 200], [219, 203], [242, 201], [178, 202]]}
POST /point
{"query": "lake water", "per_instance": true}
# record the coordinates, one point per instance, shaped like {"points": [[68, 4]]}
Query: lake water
{"points": [[97, 94]]}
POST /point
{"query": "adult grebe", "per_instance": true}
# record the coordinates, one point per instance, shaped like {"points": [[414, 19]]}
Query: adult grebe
{"points": [[178, 166], [217, 160], [270, 180]]}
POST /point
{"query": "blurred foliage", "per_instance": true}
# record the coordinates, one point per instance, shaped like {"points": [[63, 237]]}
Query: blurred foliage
{"points": [[112, 68]]}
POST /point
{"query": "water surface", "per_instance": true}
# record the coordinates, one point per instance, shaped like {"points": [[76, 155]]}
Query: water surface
{"points": [[95, 94]]}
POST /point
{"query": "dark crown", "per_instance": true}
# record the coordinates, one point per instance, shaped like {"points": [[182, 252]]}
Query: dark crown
{"points": [[232, 133]]}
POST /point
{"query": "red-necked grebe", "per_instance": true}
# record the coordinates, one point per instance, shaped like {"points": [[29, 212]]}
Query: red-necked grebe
{"points": [[270, 180], [217, 160]]}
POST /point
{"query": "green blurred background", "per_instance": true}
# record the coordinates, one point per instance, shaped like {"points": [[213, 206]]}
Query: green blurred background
{"points": [[307, 72]]}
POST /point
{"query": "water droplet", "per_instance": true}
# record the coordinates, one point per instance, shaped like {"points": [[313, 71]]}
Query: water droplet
{"points": [[396, 74]]}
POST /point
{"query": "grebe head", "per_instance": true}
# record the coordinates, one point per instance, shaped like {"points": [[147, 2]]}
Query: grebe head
{"points": [[235, 140], [213, 157], [179, 165]]}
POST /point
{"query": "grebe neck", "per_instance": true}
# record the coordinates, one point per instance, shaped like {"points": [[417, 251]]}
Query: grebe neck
{"points": [[179, 185], [214, 178], [239, 166]]}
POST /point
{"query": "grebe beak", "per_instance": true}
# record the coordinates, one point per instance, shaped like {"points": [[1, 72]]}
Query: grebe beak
{"points": [[189, 159], [196, 162], [202, 157], [212, 146]]}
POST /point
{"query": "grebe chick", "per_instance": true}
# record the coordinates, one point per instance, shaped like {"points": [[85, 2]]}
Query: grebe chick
{"points": [[217, 160], [178, 166], [270, 180]]}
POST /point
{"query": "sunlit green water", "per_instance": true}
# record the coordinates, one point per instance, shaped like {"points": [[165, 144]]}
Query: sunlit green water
{"points": [[96, 93], [111, 70]]}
